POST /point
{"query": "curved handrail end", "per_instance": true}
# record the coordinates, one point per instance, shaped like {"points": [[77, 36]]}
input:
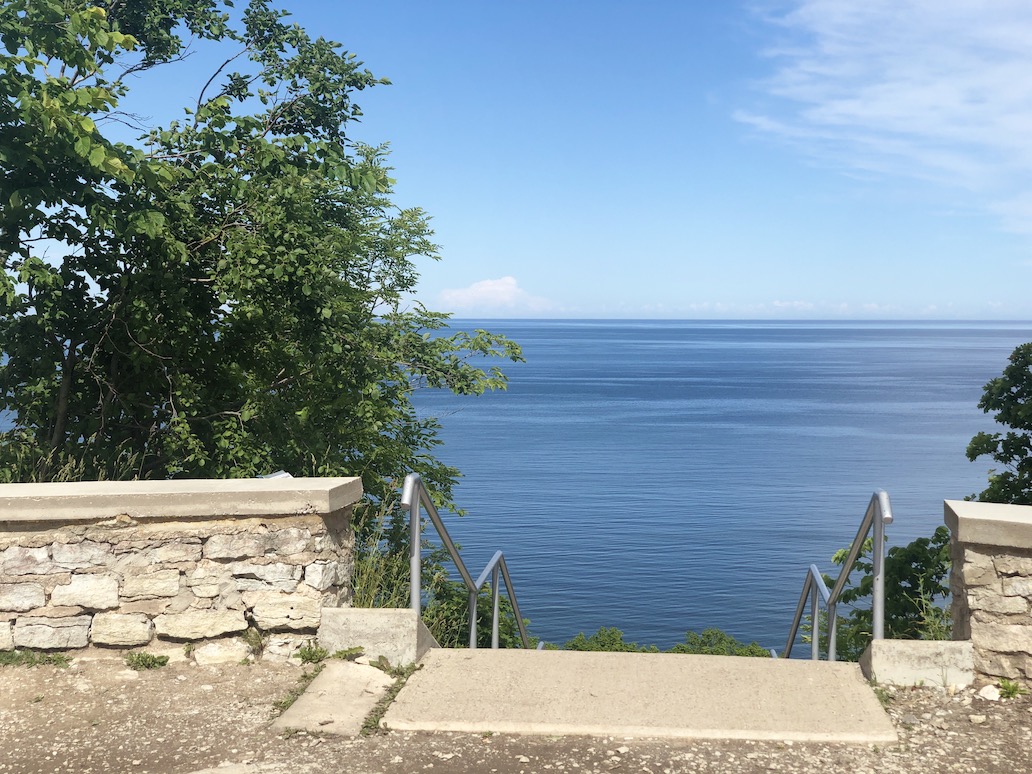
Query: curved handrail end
{"points": [[408, 491], [884, 506]]}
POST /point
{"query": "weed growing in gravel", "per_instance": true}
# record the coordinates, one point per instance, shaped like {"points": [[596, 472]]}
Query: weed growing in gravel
{"points": [[1011, 689], [302, 684], [311, 653], [371, 725], [884, 694], [348, 654], [140, 660], [255, 641], [33, 658]]}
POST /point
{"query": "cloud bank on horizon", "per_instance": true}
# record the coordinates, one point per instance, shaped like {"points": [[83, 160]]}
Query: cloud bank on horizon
{"points": [[932, 89], [493, 296]]}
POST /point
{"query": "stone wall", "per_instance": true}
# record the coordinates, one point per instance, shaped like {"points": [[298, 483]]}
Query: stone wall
{"points": [[122, 564], [991, 584]]}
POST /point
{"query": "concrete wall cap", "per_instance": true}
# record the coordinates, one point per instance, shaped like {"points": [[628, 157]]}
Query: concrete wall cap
{"points": [[182, 498], [989, 524]]}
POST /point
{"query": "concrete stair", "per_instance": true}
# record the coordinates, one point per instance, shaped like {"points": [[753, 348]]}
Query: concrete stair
{"points": [[632, 695], [641, 695]]}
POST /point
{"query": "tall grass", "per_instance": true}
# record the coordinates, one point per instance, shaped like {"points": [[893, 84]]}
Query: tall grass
{"points": [[381, 573]]}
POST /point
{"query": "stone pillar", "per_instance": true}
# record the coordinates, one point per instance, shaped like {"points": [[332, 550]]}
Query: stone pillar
{"points": [[991, 584]]}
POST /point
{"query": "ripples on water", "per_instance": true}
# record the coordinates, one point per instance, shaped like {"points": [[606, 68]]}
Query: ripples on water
{"points": [[662, 476]]}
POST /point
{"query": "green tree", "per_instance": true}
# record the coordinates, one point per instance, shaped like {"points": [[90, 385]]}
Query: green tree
{"points": [[1010, 397], [608, 639], [916, 589], [711, 642], [716, 642], [225, 296]]}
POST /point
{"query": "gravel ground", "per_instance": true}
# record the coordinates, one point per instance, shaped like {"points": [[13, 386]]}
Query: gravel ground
{"points": [[99, 716]]}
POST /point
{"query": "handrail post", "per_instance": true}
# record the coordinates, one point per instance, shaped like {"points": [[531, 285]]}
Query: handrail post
{"points": [[832, 631], [410, 495], [882, 517], [472, 619], [815, 618], [496, 617]]}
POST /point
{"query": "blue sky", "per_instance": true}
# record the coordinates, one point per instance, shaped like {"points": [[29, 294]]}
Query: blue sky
{"points": [[788, 159]]}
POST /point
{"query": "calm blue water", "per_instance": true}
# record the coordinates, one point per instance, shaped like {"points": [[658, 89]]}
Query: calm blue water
{"points": [[662, 476]]}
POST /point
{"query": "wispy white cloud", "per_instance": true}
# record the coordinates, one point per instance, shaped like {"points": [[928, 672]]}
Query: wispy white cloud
{"points": [[931, 89], [493, 296]]}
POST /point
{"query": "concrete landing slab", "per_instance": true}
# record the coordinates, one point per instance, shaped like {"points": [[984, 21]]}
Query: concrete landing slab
{"points": [[338, 700], [655, 695]]}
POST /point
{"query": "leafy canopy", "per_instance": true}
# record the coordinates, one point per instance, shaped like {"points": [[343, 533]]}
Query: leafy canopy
{"points": [[1010, 397], [224, 296], [711, 642], [916, 590]]}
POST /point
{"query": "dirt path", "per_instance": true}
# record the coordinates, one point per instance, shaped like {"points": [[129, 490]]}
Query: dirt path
{"points": [[99, 716]]}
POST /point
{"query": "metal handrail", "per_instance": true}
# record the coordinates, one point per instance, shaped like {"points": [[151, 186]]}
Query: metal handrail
{"points": [[413, 494], [877, 515]]}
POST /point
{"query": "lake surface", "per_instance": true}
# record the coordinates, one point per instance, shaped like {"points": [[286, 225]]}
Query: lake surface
{"points": [[662, 476]]}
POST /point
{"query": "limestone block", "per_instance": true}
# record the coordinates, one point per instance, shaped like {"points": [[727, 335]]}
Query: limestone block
{"points": [[1000, 665], [209, 579], [1002, 638], [287, 542], [1017, 587], [240, 546], [152, 585], [51, 611], [185, 601], [212, 589], [326, 543], [51, 582], [52, 633], [283, 577], [177, 552], [225, 651], [323, 575], [121, 629], [149, 607], [273, 610], [94, 592], [48, 582], [980, 599], [77, 556], [282, 646], [231, 600], [253, 584], [979, 569], [27, 561], [132, 563], [6, 636], [335, 598], [199, 624], [1014, 565], [21, 596]]}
